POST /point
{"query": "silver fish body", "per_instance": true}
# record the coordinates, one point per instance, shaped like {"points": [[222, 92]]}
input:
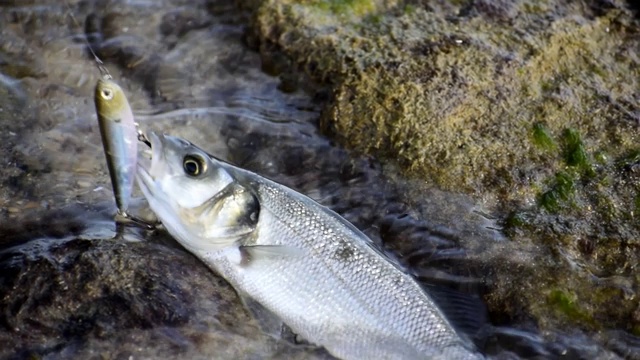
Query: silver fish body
{"points": [[300, 260], [119, 139]]}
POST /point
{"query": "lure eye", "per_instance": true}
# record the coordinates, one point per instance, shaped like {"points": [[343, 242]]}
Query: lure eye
{"points": [[193, 165], [107, 94]]}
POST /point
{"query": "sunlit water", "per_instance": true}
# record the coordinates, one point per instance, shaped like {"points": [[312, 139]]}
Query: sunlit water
{"points": [[187, 73]]}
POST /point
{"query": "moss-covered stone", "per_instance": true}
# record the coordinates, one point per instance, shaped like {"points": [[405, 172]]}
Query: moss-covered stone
{"points": [[531, 103]]}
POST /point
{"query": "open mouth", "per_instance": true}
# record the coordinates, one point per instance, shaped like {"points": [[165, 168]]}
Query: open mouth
{"points": [[148, 160], [152, 154]]}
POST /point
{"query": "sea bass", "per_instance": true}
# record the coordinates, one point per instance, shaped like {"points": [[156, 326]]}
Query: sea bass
{"points": [[300, 260], [119, 139]]}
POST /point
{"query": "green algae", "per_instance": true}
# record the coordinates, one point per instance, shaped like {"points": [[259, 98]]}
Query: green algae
{"points": [[342, 7], [562, 192], [541, 137], [574, 151], [579, 302], [515, 220], [409, 9], [563, 185], [567, 304]]}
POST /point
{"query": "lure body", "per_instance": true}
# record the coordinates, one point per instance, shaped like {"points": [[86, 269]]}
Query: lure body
{"points": [[119, 139]]}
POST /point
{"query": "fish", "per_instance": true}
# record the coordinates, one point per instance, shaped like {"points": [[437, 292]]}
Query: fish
{"points": [[119, 134], [300, 260]]}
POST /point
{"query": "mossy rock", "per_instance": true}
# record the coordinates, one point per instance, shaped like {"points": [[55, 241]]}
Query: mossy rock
{"points": [[533, 105]]}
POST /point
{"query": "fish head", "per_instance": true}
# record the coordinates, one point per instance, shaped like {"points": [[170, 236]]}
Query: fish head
{"points": [[182, 172], [182, 185]]}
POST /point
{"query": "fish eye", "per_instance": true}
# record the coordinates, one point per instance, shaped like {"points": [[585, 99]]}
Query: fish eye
{"points": [[107, 94], [193, 165]]}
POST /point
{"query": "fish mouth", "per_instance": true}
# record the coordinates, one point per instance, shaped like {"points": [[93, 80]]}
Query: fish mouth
{"points": [[155, 153], [149, 163]]}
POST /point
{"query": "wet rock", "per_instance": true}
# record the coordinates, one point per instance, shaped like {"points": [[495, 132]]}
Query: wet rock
{"points": [[65, 294]]}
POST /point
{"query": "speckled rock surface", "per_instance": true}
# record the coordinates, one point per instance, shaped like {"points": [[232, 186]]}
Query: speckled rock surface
{"points": [[65, 294]]}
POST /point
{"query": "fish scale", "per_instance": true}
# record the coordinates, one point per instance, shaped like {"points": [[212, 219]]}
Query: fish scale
{"points": [[337, 291]]}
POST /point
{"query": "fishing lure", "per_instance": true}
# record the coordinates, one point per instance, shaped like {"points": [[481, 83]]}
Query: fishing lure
{"points": [[119, 134]]}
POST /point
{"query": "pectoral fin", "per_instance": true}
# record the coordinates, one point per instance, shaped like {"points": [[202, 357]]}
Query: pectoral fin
{"points": [[255, 253]]}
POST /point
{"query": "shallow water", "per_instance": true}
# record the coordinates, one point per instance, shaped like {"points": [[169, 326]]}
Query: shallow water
{"points": [[187, 72]]}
